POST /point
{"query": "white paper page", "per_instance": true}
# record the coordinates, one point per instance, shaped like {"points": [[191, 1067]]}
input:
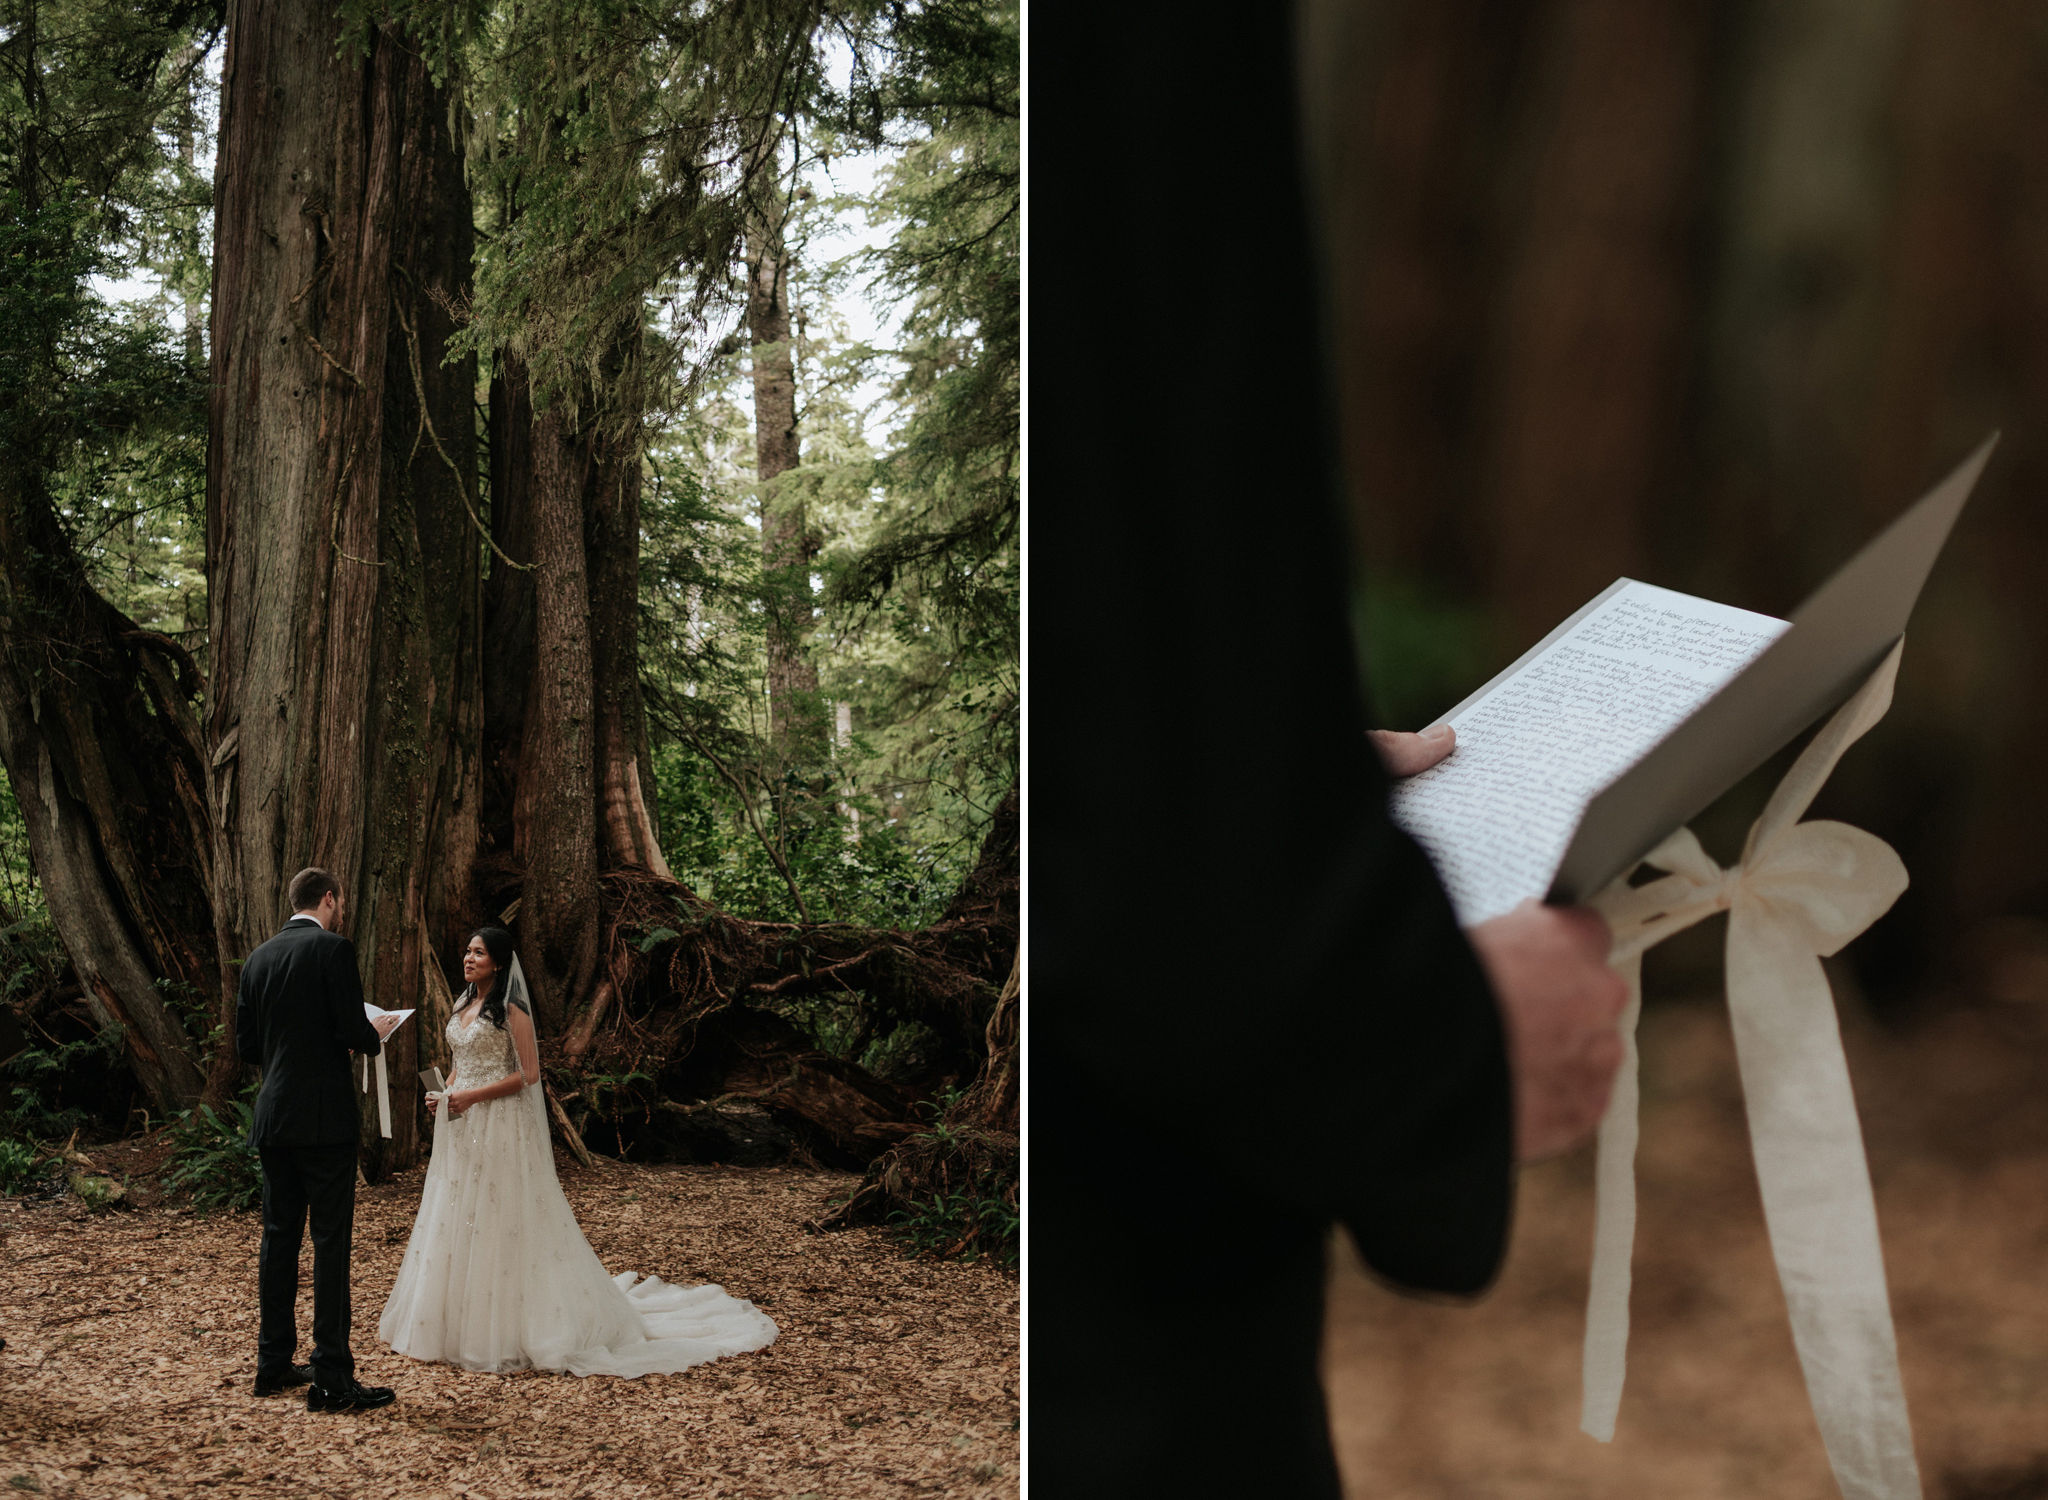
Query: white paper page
{"points": [[373, 1012], [1540, 741]]}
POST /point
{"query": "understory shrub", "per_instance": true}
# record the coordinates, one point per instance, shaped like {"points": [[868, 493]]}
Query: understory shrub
{"points": [[54, 1085], [963, 1225], [211, 1158], [19, 1165]]}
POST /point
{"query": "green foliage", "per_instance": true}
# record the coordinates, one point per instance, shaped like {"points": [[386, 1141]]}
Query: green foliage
{"points": [[608, 1093], [606, 1098], [744, 817], [30, 955], [98, 1193], [106, 417], [196, 1014], [41, 1073], [881, 879], [211, 1158], [954, 1191], [102, 416], [836, 1024], [20, 1166], [923, 595], [965, 1225], [1421, 649], [616, 149], [84, 85], [853, 1026], [903, 1053]]}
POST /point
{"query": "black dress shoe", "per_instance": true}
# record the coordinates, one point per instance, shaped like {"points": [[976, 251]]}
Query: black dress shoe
{"points": [[350, 1397], [294, 1375]]}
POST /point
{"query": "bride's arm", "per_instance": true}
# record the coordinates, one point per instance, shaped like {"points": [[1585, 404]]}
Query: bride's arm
{"points": [[521, 1026]]}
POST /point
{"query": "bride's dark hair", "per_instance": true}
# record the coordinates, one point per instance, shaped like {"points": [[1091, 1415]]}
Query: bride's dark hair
{"points": [[497, 943]]}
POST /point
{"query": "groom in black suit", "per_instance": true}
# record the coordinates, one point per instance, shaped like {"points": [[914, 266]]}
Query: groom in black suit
{"points": [[298, 1015]]}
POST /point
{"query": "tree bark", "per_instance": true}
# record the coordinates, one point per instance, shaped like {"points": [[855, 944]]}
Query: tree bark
{"points": [[342, 571], [1589, 380], [508, 599], [569, 774], [625, 774], [786, 549], [110, 791], [555, 832], [1418, 102]]}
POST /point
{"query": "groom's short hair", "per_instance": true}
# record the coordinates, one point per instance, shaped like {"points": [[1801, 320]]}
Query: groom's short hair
{"points": [[309, 888]]}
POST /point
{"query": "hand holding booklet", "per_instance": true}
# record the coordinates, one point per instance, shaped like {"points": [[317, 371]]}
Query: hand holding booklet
{"points": [[1583, 761], [1538, 742], [1643, 707], [376, 1014]]}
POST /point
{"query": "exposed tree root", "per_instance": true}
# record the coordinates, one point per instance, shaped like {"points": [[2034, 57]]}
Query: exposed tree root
{"points": [[955, 1186], [686, 1018]]}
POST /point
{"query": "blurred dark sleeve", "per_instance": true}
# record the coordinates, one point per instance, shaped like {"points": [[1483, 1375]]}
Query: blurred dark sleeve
{"points": [[1238, 960]]}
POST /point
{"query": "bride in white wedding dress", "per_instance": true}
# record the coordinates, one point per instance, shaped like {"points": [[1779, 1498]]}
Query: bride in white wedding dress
{"points": [[498, 1275]]}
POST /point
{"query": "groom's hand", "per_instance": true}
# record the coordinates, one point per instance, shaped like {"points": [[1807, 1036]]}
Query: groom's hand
{"points": [[1405, 754], [1559, 1001], [386, 1025]]}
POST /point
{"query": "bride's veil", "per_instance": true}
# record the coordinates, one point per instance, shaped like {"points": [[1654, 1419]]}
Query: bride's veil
{"points": [[517, 994]]}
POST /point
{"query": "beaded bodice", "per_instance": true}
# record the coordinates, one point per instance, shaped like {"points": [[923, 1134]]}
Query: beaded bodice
{"points": [[482, 1053]]}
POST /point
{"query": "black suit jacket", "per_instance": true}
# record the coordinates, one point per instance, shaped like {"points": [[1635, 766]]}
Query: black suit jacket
{"points": [[1252, 1013], [298, 1016]]}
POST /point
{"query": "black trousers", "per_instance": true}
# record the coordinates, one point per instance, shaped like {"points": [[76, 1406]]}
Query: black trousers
{"points": [[298, 1181], [1176, 1319]]}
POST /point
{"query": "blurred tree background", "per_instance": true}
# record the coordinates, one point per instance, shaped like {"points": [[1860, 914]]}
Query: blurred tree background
{"points": [[1704, 295]]}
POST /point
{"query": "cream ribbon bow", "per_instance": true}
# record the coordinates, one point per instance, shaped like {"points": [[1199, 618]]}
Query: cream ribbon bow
{"points": [[1800, 893]]}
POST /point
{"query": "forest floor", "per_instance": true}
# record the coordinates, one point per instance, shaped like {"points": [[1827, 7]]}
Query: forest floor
{"points": [[131, 1350], [1431, 1402]]}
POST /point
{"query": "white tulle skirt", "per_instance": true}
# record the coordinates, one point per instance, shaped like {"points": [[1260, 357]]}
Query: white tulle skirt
{"points": [[498, 1275]]}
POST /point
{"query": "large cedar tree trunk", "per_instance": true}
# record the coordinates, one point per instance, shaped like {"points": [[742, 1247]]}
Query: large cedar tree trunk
{"points": [[786, 548], [344, 722], [555, 840], [569, 774], [625, 767]]}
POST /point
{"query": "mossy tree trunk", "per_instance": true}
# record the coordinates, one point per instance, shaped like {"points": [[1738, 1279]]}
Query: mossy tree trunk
{"points": [[345, 720]]}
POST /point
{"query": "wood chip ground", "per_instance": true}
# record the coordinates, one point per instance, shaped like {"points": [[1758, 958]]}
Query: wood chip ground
{"points": [[131, 1351]]}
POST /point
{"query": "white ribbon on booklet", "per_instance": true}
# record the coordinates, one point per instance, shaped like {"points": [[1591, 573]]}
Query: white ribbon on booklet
{"points": [[383, 1077], [1800, 893]]}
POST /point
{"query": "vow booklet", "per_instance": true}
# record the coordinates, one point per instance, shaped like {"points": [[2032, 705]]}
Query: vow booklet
{"points": [[1623, 723]]}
